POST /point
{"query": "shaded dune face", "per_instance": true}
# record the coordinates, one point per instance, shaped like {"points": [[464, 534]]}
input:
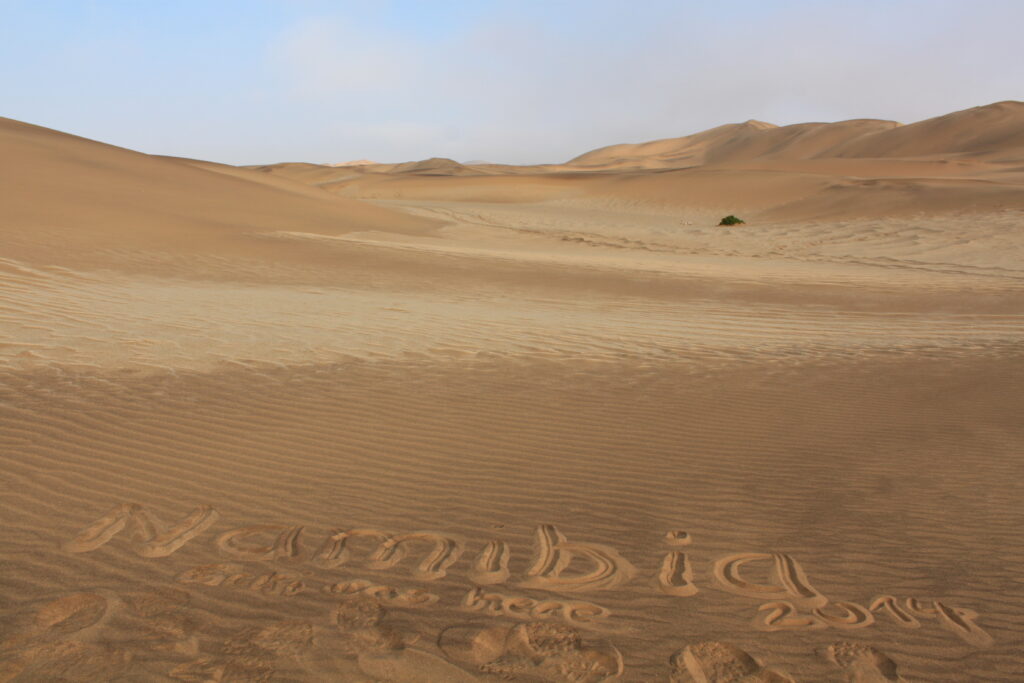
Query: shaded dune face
{"points": [[468, 422]]}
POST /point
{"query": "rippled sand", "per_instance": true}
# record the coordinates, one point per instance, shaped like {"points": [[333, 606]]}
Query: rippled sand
{"points": [[561, 440]]}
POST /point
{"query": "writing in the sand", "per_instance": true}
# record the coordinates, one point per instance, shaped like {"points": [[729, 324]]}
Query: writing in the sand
{"points": [[559, 565]]}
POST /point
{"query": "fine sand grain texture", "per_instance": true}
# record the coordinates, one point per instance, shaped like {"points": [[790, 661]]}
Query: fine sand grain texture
{"points": [[433, 422]]}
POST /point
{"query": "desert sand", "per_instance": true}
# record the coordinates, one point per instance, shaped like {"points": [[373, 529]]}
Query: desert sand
{"points": [[433, 421]]}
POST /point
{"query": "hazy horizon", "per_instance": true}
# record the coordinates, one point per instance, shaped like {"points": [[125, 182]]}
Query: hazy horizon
{"points": [[508, 82]]}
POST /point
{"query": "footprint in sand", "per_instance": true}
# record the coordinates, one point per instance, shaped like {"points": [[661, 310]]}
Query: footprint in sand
{"points": [[363, 627], [157, 601], [54, 620], [251, 654], [411, 666], [862, 663], [66, 660], [67, 638], [211, 669], [532, 651], [49, 642], [381, 651], [71, 613], [716, 662], [161, 622]]}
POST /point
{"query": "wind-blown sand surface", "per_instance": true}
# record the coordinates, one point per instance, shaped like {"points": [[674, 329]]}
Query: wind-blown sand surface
{"points": [[436, 422]]}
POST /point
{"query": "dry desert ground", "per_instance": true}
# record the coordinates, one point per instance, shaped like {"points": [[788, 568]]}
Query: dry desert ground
{"points": [[443, 422]]}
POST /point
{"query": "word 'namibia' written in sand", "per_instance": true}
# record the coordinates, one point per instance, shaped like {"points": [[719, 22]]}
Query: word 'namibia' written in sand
{"points": [[787, 599]]}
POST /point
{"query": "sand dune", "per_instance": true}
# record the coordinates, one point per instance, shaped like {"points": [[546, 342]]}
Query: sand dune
{"points": [[966, 161], [995, 132], [691, 150], [434, 166], [92, 198], [434, 422], [736, 143]]}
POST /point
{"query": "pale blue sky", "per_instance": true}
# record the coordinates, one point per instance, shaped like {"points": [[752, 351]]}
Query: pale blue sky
{"points": [[513, 81]]}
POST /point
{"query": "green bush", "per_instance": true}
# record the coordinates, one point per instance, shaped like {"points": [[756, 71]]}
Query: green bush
{"points": [[732, 220]]}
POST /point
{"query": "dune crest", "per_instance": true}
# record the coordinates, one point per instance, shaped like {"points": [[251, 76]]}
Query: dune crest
{"points": [[968, 161]]}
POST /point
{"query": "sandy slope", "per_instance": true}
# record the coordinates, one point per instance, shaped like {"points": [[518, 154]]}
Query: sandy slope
{"points": [[538, 426], [97, 201]]}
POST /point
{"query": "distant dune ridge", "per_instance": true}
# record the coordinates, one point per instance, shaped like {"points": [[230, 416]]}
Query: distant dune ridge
{"points": [[967, 160], [994, 131], [434, 166], [738, 142]]}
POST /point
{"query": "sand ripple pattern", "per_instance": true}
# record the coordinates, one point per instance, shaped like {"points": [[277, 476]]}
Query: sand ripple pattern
{"points": [[490, 452], [90, 322]]}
